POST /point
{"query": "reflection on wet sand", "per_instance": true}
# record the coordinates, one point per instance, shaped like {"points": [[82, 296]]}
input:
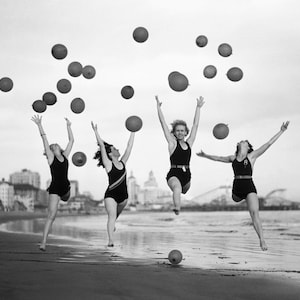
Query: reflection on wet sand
{"points": [[220, 240]]}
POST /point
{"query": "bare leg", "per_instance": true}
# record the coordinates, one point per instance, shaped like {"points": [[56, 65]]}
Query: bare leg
{"points": [[120, 208], [111, 209], [186, 188], [176, 188], [52, 210], [253, 207]]}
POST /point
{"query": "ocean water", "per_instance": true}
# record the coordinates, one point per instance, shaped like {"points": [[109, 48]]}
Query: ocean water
{"points": [[208, 240]]}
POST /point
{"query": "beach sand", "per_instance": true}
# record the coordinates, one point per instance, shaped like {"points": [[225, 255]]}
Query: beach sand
{"points": [[70, 270]]}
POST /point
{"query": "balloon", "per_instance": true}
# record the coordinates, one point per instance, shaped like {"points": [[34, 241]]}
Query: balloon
{"points": [[210, 71], [64, 86], [77, 105], [235, 74], [39, 106], [6, 84], [79, 159], [225, 50], [220, 131], [177, 81], [175, 257], [140, 34], [201, 41], [59, 51], [134, 123], [75, 69], [127, 92], [88, 72], [49, 98]]}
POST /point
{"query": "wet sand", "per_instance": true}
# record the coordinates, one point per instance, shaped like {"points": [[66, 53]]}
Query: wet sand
{"points": [[60, 273]]}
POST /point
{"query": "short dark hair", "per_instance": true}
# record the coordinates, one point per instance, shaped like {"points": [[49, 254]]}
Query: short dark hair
{"points": [[98, 154], [179, 122]]}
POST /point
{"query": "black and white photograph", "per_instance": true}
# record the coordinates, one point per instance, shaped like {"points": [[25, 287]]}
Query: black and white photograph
{"points": [[149, 149]]}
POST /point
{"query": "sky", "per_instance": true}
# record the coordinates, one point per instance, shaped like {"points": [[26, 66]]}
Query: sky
{"points": [[264, 36]]}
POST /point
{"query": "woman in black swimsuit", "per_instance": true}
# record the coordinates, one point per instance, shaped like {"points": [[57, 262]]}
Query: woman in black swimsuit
{"points": [[59, 188], [179, 176], [243, 187], [116, 194]]}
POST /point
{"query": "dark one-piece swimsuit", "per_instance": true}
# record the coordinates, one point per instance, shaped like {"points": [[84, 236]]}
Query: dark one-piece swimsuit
{"points": [[117, 188], [60, 184], [180, 165], [242, 186]]}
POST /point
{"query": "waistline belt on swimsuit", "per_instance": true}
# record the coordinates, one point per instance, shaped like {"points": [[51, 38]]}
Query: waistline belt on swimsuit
{"points": [[183, 167], [243, 177]]}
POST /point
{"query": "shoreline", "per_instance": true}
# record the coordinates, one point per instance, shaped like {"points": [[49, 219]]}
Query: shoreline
{"points": [[28, 273], [19, 215], [71, 270], [23, 215]]}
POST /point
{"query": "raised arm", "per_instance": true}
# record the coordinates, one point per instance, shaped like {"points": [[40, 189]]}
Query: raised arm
{"points": [[71, 139], [192, 137], [168, 135], [49, 154], [106, 161], [258, 152], [225, 159], [127, 152]]}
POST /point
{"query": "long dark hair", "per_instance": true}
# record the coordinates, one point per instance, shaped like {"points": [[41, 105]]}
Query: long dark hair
{"points": [[98, 154], [249, 150]]}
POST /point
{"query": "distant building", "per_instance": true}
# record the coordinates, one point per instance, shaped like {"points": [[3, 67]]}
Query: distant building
{"points": [[26, 177], [133, 189], [150, 190], [78, 202], [21, 202], [42, 198], [27, 194], [6, 195], [150, 195], [19, 206], [88, 194], [74, 188], [153, 194]]}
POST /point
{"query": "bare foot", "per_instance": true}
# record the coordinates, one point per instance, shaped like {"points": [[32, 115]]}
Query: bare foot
{"points": [[176, 211], [43, 247], [263, 245]]}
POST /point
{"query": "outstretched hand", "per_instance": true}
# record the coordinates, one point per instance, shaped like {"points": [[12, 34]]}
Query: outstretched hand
{"points": [[157, 101], [201, 153], [68, 122], [200, 101], [37, 119], [284, 126]]}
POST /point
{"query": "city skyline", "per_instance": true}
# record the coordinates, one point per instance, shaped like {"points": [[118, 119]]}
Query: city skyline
{"points": [[150, 182], [33, 178], [265, 45], [23, 192]]}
